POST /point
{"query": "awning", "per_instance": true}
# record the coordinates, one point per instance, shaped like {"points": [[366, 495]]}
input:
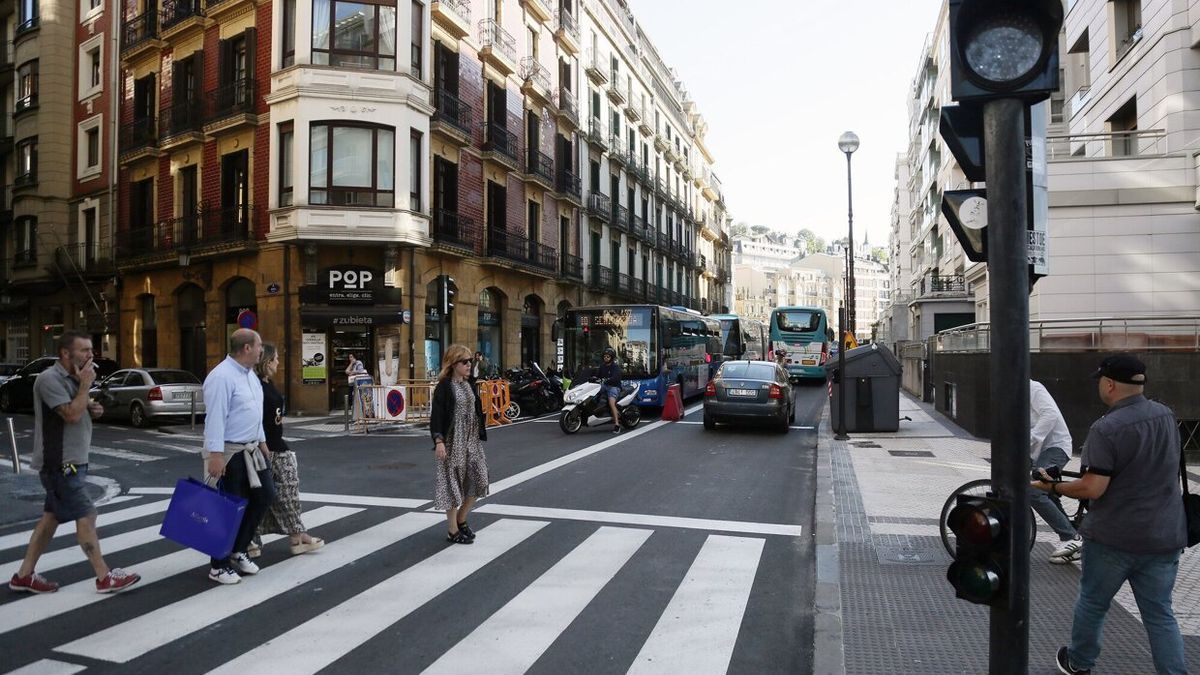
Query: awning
{"points": [[327, 317]]}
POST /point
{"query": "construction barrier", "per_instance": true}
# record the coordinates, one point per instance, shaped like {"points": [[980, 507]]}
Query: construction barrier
{"points": [[494, 395], [673, 408], [406, 402]]}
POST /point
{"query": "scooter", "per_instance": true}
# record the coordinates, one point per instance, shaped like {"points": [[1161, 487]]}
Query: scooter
{"points": [[587, 406], [533, 392]]}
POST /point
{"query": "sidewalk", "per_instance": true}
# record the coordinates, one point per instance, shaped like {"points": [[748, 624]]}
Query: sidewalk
{"points": [[884, 604]]}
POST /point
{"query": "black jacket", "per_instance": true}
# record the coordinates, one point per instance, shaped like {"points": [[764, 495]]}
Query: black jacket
{"points": [[441, 415]]}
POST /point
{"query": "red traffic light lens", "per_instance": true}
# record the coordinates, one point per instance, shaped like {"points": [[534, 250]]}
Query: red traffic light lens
{"points": [[976, 523]]}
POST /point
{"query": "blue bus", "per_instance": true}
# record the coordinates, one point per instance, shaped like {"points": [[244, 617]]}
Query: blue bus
{"points": [[804, 336], [656, 346], [743, 338]]}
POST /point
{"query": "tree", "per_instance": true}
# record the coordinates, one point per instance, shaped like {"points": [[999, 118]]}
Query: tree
{"points": [[740, 229], [879, 254], [759, 230]]}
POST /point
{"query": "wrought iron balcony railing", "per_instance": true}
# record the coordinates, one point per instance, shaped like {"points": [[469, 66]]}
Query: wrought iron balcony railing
{"points": [[600, 206], [142, 133], [571, 266], [568, 184], [522, 250], [180, 118], [139, 29], [452, 110], [178, 11], [452, 229], [539, 164], [492, 35], [501, 140], [535, 73], [231, 98], [565, 21]]}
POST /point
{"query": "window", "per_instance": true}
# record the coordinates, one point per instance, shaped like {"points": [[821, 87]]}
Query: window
{"points": [[27, 87], [27, 15], [26, 240], [88, 156], [89, 238], [289, 33], [418, 37], [354, 34], [285, 164], [415, 160], [93, 148], [351, 165], [27, 162], [1123, 127], [91, 60]]}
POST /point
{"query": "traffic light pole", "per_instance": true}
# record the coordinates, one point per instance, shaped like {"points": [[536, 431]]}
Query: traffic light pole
{"points": [[1008, 279]]}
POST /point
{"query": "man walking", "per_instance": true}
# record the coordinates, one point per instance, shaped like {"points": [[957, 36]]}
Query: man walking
{"points": [[1050, 446], [235, 446], [1134, 530], [62, 435]]}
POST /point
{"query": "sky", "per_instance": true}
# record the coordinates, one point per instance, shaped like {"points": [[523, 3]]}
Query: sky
{"points": [[778, 81]]}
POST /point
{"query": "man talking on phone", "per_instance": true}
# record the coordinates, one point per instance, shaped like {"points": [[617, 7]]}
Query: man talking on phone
{"points": [[62, 434]]}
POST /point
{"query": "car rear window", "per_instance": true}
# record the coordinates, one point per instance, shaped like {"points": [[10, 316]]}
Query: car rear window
{"points": [[9, 368], [173, 377], [749, 371]]}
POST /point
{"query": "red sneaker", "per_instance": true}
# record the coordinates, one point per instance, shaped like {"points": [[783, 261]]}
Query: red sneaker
{"points": [[34, 583], [117, 580]]}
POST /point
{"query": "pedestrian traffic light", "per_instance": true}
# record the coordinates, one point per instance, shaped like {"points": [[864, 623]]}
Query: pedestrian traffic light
{"points": [[980, 571], [966, 212], [961, 129], [448, 289], [1004, 49]]}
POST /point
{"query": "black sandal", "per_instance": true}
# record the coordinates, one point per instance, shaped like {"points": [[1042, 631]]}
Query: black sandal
{"points": [[466, 529], [459, 537]]}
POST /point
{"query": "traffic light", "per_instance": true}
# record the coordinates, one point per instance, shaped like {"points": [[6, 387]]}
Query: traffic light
{"points": [[447, 289], [980, 572], [961, 128], [966, 212], [1004, 49]]}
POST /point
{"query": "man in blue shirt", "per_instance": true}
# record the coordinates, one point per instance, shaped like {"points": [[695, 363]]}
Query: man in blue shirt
{"points": [[235, 446]]}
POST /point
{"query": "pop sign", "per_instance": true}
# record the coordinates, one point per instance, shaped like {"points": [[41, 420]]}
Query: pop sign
{"points": [[350, 285]]}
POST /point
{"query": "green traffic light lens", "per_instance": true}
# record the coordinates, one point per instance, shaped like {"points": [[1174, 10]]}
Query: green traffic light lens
{"points": [[977, 582], [1004, 47]]}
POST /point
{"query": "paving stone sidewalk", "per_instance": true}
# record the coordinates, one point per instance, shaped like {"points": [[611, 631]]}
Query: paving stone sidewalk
{"points": [[893, 610]]}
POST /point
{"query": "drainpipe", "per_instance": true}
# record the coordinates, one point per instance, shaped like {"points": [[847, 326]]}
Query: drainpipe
{"points": [[114, 98], [412, 313], [287, 324]]}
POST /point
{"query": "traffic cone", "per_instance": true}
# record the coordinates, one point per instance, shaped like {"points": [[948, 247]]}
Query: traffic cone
{"points": [[673, 408]]}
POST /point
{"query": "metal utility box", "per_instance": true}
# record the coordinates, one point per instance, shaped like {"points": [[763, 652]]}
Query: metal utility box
{"points": [[872, 392]]}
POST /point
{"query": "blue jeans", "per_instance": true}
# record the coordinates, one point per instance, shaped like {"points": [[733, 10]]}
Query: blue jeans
{"points": [[1044, 503], [1152, 577]]}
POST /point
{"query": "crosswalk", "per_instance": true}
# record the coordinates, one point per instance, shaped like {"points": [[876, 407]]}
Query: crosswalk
{"points": [[385, 582]]}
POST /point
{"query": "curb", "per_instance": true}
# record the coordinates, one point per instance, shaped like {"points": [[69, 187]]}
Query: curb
{"points": [[829, 657]]}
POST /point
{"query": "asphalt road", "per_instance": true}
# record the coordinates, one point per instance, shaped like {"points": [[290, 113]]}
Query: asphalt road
{"points": [[664, 549]]}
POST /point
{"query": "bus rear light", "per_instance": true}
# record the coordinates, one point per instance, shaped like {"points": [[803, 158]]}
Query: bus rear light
{"points": [[711, 389], [776, 392]]}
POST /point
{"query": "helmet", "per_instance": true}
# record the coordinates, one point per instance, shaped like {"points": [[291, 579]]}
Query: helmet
{"points": [[610, 353]]}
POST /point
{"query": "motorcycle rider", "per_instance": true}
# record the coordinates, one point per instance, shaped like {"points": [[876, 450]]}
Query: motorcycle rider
{"points": [[609, 373]]}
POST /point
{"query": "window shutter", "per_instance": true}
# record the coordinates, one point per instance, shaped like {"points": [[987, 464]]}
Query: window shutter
{"points": [[251, 42]]}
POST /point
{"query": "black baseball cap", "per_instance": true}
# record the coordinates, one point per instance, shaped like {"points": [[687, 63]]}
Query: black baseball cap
{"points": [[1125, 368]]}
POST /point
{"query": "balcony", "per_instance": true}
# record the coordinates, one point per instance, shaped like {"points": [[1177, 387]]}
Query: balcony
{"points": [[568, 108], [566, 31], [180, 125], [451, 118], [139, 140], [624, 285], [539, 9], [596, 69], [25, 104], [602, 278], [455, 232], [206, 232], [639, 229], [569, 187], [622, 219], [640, 171], [1113, 145], [599, 206], [497, 47], [941, 285], [570, 267], [646, 123], [661, 189], [231, 106], [595, 134], [633, 111], [25, 27], [617, 88], [180, 18], [536, 78], [660, 142], [539, 168], [617, 152], [454, 16], [638, 290], [522, 251], [139, 35], [664, 242], [500, 146], [82, 260]]}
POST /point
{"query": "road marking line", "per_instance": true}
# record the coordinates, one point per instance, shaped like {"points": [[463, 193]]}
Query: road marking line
{"points": [[324, 639], [127, 641], [513, 638], [30, 610], [698, 630], [107, 518], [354, 500], [48, 667], [121, 499], [641, 519], [125, 454], [65, 557], [159, 445]]}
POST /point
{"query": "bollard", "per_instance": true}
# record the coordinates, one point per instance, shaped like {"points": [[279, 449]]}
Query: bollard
{"points": [[193, 397], [346, 412], [12, 439]]}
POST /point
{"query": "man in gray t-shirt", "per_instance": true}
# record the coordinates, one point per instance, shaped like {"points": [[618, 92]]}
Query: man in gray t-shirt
{"points": [[62, 432], [1135, 528]]}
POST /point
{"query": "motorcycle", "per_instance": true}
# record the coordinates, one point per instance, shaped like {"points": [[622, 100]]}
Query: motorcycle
{"points": [[586, 405], [531, 391]]}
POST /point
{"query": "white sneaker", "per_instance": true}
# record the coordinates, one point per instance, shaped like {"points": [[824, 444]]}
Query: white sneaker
{"points": [[243, 564], [1069, 551], [224, 575]]}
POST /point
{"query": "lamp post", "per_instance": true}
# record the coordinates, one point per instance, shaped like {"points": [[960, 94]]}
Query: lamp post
{"points": [[848, 143]]}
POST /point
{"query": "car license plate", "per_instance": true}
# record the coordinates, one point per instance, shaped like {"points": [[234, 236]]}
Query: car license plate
{"points": [[181, 396], [742, 392], [810, 362]]}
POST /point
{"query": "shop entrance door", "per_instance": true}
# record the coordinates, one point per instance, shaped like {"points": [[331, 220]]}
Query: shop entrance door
{"points": [[344, 341]]}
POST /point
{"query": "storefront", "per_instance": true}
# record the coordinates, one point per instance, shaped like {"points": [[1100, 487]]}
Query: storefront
{"points": [[490, 334], [348, 311]]}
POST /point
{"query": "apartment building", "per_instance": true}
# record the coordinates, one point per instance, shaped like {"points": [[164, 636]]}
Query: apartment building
{"points": [[56, 94], [762, 252], [892, 326]]}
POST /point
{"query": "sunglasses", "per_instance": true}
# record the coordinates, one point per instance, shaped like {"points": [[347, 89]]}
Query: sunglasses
{"points": [[464, 362]]}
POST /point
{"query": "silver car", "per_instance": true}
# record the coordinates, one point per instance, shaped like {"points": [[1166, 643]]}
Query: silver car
{"points": [[144, 394], [750, 391]]}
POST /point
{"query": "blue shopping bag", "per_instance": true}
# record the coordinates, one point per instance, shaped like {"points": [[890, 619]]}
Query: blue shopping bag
{"points": [[203, 518]]}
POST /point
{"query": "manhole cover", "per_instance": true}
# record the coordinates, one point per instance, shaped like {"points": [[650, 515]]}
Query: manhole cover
{"points": [[910, 453], [896, 555], [866, 444]]}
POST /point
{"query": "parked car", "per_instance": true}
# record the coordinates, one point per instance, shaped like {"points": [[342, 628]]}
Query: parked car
{"points": [[16, 393], [7, 370], [750, 391], [142, 395]]}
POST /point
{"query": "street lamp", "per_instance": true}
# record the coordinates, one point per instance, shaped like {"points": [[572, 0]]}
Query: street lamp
{"points": [[848, 143]]}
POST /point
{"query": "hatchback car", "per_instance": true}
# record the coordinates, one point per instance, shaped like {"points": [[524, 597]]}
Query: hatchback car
{"points": [[750, 391], [16, 393], [141, 395]]}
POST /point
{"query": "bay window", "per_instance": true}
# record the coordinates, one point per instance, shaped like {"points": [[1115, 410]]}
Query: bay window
{"points": [[351, 165], [354, 34]]}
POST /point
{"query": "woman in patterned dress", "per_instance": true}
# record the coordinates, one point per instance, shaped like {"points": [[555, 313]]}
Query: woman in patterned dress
{"points": [[284, 515], [458, 429]]}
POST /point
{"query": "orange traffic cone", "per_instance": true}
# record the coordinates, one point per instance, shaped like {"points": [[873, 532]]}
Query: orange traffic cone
{"points": [[673, 408]]}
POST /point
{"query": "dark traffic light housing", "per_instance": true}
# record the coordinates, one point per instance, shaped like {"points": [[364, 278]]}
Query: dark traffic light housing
{"points": [[980, 572], [447, 289], [1004, 49]]}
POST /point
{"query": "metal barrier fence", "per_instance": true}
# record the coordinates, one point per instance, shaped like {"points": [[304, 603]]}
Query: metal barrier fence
{"points": [[411, 402], [1143, 333]]}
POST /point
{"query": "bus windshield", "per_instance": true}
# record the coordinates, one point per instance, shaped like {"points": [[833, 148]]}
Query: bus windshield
{"points": [[798, 320], [627, 330], [731, 338]]}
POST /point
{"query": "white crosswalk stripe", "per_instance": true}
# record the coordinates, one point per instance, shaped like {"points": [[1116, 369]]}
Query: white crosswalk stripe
{"points": [[696, 631], [107, 518]]}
